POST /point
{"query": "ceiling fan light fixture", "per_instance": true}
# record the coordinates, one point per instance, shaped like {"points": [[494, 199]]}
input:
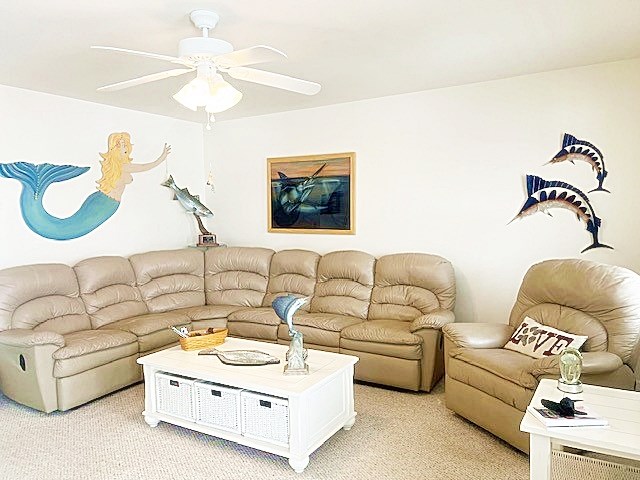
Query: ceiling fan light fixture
{"points": [[194, 94], [222, 96]]}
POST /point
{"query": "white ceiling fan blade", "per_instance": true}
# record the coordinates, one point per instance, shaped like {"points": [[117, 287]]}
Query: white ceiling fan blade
{"points": [[275, 80], [157, 56], [249, 56], [145, 79]]}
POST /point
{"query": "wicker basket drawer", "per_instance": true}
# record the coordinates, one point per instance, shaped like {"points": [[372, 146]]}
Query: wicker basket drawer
{"points": [[265, 417], [218, 406], [174, 395]]}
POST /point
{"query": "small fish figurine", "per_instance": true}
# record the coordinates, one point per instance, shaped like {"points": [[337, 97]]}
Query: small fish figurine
{"points": [[543, 195], [574, 149], [191, 203]]}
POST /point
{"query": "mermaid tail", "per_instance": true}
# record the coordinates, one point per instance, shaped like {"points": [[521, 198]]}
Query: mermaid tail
{"points": [[35, 180]]}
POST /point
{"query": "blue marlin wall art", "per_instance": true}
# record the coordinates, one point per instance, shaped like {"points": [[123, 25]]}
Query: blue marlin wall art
{"points": [[117, 173], [543, 195], [581, 150]]}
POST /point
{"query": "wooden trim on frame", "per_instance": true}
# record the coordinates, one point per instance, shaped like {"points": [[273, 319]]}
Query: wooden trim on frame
{"points": [[326, 171]]}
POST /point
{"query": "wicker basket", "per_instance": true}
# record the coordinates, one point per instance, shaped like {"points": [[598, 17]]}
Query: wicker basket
{"points": [[204, 340]]}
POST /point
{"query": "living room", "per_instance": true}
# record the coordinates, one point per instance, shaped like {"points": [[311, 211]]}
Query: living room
{"points": [[480, 98]]}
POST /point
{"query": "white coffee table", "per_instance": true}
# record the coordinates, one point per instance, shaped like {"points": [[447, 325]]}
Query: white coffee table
{"points": [[621, 438], [320, 403]]}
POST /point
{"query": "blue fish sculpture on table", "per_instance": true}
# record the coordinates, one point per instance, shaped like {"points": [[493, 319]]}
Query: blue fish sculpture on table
{"points": [[285, 306], [544, 195], [574, 149]]}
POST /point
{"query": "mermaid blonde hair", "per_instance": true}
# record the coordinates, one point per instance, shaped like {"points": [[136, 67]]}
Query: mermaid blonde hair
{"points": [[118, 153]]}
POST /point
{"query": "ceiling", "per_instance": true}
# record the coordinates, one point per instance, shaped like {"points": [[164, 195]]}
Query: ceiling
{"points": [[355, 50]]}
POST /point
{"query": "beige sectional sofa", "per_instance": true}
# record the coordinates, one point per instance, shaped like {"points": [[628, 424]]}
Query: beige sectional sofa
{"points": [[71, 334]]}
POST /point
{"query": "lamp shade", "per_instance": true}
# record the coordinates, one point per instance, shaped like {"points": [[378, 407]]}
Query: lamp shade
{"points": [[209, 91]]}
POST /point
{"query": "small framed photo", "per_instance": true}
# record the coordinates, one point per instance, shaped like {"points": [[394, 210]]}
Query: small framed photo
{"points": [[207, 240], [311, 194]]}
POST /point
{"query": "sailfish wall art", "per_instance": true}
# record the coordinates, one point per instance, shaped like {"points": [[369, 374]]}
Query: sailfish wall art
{"points": [[581, 150], [117, 170], [543, 195]]}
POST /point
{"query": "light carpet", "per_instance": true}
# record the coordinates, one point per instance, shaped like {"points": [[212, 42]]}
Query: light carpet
{"points": [[397, 435]]}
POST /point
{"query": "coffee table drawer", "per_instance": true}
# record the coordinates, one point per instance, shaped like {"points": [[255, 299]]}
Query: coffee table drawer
{"points": [[218, 406], [174, 395], [265, 417]]}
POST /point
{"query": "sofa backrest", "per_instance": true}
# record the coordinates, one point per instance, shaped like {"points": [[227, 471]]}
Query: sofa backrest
{"points": [[41, 297], [292, 272], [344, 283], [586, 298], [236, 275], [170, 279], [108, 289], [408, 285]]}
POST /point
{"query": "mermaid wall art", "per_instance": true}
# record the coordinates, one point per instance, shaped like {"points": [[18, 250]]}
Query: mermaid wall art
{"points": [[117, 173]]}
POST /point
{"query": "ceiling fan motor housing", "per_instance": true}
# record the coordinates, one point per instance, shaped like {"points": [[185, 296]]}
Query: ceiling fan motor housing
{"points": [[199, 48]]}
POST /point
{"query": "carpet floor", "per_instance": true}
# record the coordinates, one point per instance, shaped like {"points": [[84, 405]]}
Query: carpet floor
{"points": [[397, 435]]}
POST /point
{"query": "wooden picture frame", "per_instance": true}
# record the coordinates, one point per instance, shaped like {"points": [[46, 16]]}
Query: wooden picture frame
{"points": [[311, 194]]}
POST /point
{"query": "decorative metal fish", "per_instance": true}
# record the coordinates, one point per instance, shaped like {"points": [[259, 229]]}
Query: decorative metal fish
{"points": [[242, 357], [191, 203], [574, 149], [544, 195]]}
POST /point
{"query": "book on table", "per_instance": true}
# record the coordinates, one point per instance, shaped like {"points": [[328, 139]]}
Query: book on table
{"points": [[552, 419]]}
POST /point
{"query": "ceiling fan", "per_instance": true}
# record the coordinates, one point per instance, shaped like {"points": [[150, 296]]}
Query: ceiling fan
{"points": [[209, 57]]}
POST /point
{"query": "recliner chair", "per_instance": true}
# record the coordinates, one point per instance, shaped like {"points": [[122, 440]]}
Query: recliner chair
{"points": [[492, 386]]}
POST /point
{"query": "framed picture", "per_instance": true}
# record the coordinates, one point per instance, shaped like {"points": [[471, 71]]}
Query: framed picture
{"points": [[311, 194]]}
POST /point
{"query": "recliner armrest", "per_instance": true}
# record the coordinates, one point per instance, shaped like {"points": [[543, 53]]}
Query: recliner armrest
{"points": [[436, 319], [23, 337], [592, 363], [478, 335]]}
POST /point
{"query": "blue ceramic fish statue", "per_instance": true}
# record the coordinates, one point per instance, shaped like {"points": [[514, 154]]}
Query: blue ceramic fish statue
{"points": [[285, 306]]}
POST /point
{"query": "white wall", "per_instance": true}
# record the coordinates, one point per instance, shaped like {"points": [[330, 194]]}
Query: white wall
{"points": [[41, 128], [442, 172]]}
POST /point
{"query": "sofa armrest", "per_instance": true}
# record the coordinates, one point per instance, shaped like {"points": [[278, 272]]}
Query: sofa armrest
{"points": [[592, 363], [22, 337], [436, 319], [478, 335]]}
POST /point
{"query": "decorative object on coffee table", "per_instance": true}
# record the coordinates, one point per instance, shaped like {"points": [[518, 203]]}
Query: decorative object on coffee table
{"points": [[242, 357], [199, 339], [285, 306], [311, 194], [570, 371]]}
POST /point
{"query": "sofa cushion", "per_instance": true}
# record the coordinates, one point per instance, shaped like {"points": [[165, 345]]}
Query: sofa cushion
{"points": [[325, 321], [312, 336], [236, 275], [260, 315], [344, 284], [207, 312], [408, 285], [170, 279], [382, 331], [292, 272], [108, 289], [43, 296], [539, 341], [512, 366], [90, 349], [150, 323]]}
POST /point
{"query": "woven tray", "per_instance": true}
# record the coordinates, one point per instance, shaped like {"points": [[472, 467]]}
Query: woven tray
{"points": [[204, 340]]}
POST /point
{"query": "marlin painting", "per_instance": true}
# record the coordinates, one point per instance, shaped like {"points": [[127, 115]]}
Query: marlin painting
{"points": [[544, 195], [574, 149], [191, 203]]}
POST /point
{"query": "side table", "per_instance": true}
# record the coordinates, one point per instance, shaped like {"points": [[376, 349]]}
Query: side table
{"points": [[620, 439]]}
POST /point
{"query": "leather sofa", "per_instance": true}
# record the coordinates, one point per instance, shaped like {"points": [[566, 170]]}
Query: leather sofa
{"points": [[71, 334], [492, 386]]}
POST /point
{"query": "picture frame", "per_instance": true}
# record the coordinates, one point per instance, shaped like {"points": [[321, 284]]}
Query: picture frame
{"points": [[311, 194], [209, 240]]}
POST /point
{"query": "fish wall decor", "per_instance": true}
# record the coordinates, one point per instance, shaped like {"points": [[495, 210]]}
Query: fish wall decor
{"points": [[117, 170], [191, 203], [581, 150], [543, 195]]}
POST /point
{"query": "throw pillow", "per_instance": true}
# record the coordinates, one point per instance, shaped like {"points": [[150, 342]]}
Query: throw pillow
{"points": [[539, 341]]}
